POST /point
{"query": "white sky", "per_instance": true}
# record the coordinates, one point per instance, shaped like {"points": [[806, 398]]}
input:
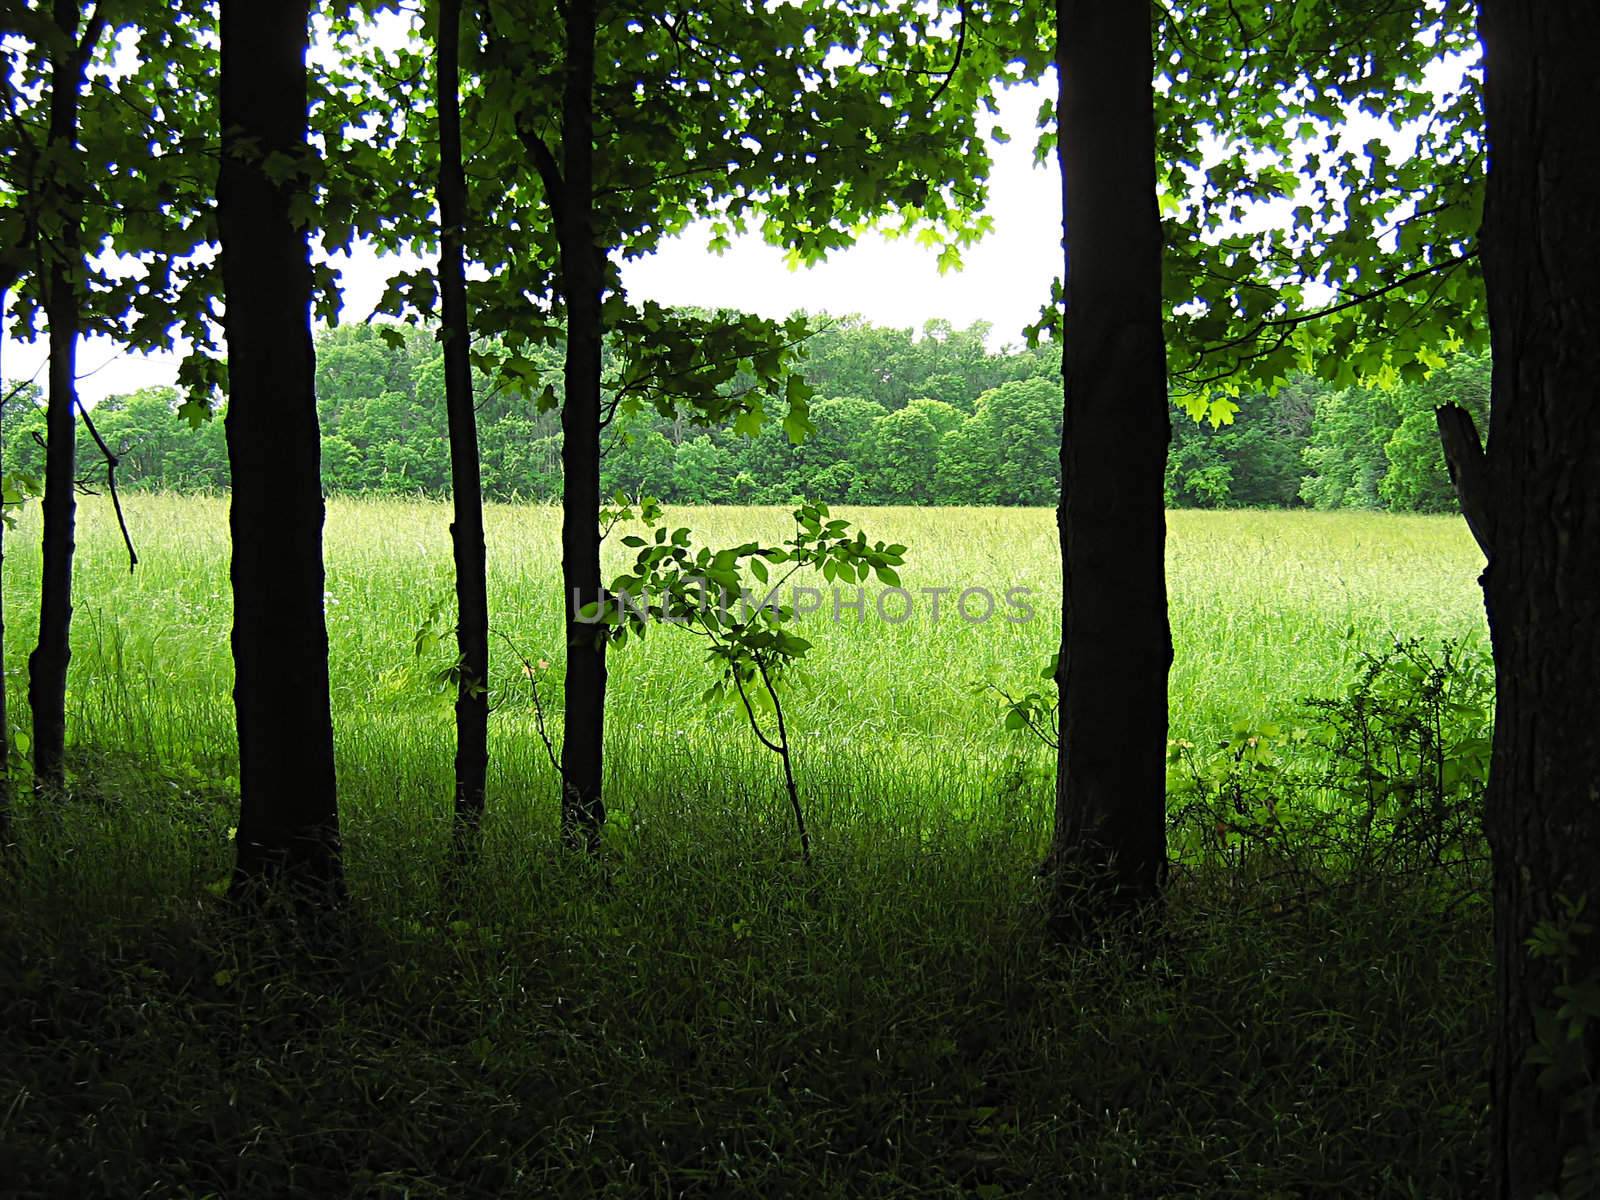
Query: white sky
{"points": [[1005, 280]]}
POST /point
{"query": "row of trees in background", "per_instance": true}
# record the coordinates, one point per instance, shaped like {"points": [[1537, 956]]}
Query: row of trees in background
{"points": [[935, 419]]}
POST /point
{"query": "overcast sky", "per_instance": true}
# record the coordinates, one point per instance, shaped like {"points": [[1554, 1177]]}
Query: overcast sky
{"points": [[1005, 280]]}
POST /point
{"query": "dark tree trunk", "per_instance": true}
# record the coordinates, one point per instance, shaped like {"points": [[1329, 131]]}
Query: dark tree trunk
{"points": [[47, 665], [288, 810], [1116, 647], [1541, 258], [582, 279], [466, 531], [5, 707]]}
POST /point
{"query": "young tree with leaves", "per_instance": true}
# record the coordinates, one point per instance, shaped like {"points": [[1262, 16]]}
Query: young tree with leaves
{"points": [[288, 809], [58, 237], [102, 159], [636, 121]]}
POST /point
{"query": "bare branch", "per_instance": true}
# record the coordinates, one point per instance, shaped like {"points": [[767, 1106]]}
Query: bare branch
{"points": [[961, 46], [1469, 471], [111, 483]]}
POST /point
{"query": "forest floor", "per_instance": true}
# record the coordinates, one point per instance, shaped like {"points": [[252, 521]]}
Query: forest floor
{"points": [[701, 1014]]}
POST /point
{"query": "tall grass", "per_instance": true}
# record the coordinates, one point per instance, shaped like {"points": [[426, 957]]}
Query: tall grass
{"points": [[706, 1017], [1267, 607]]}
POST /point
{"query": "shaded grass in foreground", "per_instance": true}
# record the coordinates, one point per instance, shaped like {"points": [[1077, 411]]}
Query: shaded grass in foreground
{"points": [[708, 1018], [713, 1020]]}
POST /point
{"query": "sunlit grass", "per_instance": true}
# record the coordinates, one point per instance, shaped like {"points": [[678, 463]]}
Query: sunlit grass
{"points": [[1266, 607], [889, 721]]}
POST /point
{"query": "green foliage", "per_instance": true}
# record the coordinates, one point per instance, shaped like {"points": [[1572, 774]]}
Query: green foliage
{"points": [[1417, 479], [1008, 450], [742, 616], [156, 448], [1375, 447], [904, 442], [20, 479], [1197, 476], [703, 468], [1253, 461], [380, 393], [734, 596], [1564, 1042], [1376, 270], [144, 151], [1344, 457], [849, 356], [1036, 711], [1383, 780]]}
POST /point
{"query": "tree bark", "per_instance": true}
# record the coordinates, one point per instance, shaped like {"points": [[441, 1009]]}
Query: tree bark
{"points": [[1116, 646], [1541, 258], [582, 282], [288, 818], [1464, 460], [47, 665], [466, 530], [6, 840]]}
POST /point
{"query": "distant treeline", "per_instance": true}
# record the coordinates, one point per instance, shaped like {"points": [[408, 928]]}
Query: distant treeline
{"points": [[900, 419]]}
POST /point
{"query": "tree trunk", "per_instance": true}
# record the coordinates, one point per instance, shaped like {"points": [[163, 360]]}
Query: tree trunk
{"points": [[1116, 647], [1541, 257], [582, 279], [288, 811], [47, 665], [466, 531], [6, 841]]}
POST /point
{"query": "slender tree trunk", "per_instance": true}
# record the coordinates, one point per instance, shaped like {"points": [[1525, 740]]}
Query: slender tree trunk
{"points": [[466, 531], [1541, 258], [47, 665], [288, 811], [1116, 646], [6, 840], [582, 275]]}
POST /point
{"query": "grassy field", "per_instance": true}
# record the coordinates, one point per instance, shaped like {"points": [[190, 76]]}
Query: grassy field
{"points": [[710, 1019], [1267, 607]]}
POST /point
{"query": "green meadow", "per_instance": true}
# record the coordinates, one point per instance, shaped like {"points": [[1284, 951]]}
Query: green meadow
{"points": [[702, 1015], [1267, 607]]}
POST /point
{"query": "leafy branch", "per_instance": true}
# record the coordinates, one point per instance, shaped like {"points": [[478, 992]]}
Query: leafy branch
{"points": [[749, 645]]}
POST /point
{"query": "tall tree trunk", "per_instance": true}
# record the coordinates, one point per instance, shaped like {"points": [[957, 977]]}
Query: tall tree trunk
{"points": [[582, 279], [288, 810], [1116, 647], [1541, 258], [466, 531], [5, 707], [47, 665]]}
